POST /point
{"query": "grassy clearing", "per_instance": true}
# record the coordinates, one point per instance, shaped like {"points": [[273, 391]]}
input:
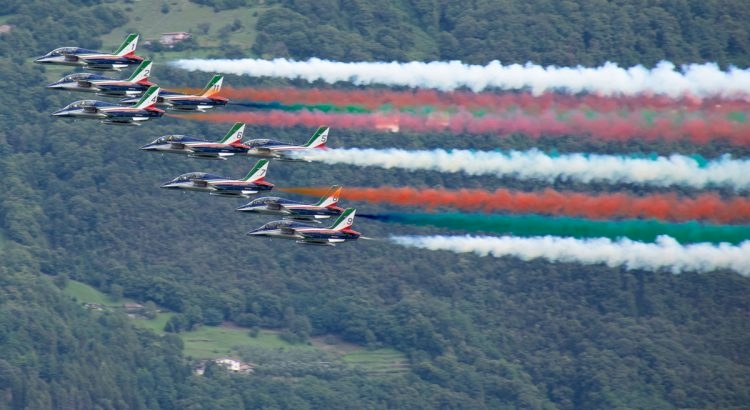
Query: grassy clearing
{"points": [[157, 324], [374, 361], [84, 293], [382, 361], [211, 342], [148, 19]]}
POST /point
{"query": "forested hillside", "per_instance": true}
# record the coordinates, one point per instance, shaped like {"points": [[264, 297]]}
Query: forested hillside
{"points": [[81, 201]]}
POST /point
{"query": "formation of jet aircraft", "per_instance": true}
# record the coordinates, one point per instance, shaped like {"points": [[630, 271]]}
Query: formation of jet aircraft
{"points": [[145, 100], [132, 89]]}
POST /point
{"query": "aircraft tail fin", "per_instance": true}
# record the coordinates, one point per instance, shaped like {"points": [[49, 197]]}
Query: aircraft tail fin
{"points": [[318, 140], [149, 98], [128, 46], [345, 221], [141, 74], [213, 87], [234, 135], [331, 198], [258, 173]]}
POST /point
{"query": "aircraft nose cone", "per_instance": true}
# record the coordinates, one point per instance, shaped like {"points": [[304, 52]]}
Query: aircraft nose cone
{"points": [[255, 232], [168, 185], [58, 113], [148, 147]]}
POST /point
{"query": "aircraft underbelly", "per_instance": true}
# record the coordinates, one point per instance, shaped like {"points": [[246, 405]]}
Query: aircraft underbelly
{"points": [[94, 115]]}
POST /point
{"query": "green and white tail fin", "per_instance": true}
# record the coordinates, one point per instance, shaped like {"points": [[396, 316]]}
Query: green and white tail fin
{"points": [[128, 46], [318, 140], [234, 135], [331, 198], [346, 220], [149, 98], [258, 173], [213, 87], [141, 74]]}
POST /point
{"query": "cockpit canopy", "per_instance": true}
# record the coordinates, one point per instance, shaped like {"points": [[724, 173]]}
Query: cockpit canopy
{"points": [[197, 175], [264, 142], [69, 50], [191, 176], [83, 77], [82, 104], [174, 138], [266, 200], [284, 223]]}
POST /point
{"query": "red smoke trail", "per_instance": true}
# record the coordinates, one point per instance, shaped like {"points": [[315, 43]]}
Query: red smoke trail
{"points": [[614, 127], [373, 99], [666, 207]]}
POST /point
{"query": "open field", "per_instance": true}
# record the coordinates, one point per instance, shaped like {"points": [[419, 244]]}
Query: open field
{"points": [[150, 20], [211, 342], [374, 361], [84, 293], [208, 342], [378, 361]]}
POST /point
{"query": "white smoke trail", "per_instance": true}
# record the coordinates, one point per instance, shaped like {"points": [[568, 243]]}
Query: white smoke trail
{"points": [[698, 80], [660, 171], [666, 253]]}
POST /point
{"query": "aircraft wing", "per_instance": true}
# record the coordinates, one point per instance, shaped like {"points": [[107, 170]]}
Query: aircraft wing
{"points": [[319, 241], [288, 231], [103, 67], [109, 121], [262, 151]]}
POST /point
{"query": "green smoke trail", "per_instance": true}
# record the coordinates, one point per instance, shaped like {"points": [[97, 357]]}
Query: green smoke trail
{"points": [[327, 108], [737, 116], [536, 225]]}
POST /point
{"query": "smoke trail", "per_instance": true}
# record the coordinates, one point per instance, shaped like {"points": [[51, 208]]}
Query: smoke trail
{"points": [[700, 80], [298, 107], [535, 225], [661, 171], [666, 253], [698, 130], [666, 207], [374, 99]]}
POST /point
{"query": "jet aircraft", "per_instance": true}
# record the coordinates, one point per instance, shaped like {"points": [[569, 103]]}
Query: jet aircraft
{"points": [[325, 208], [207, 99], [135, 85], [307, 234], [267, 148], [253, 183], [110, 113], [123, 57], [193, 147]]}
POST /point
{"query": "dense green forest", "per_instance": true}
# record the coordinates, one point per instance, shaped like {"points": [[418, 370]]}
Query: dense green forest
{"points": [[81, 201]]}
